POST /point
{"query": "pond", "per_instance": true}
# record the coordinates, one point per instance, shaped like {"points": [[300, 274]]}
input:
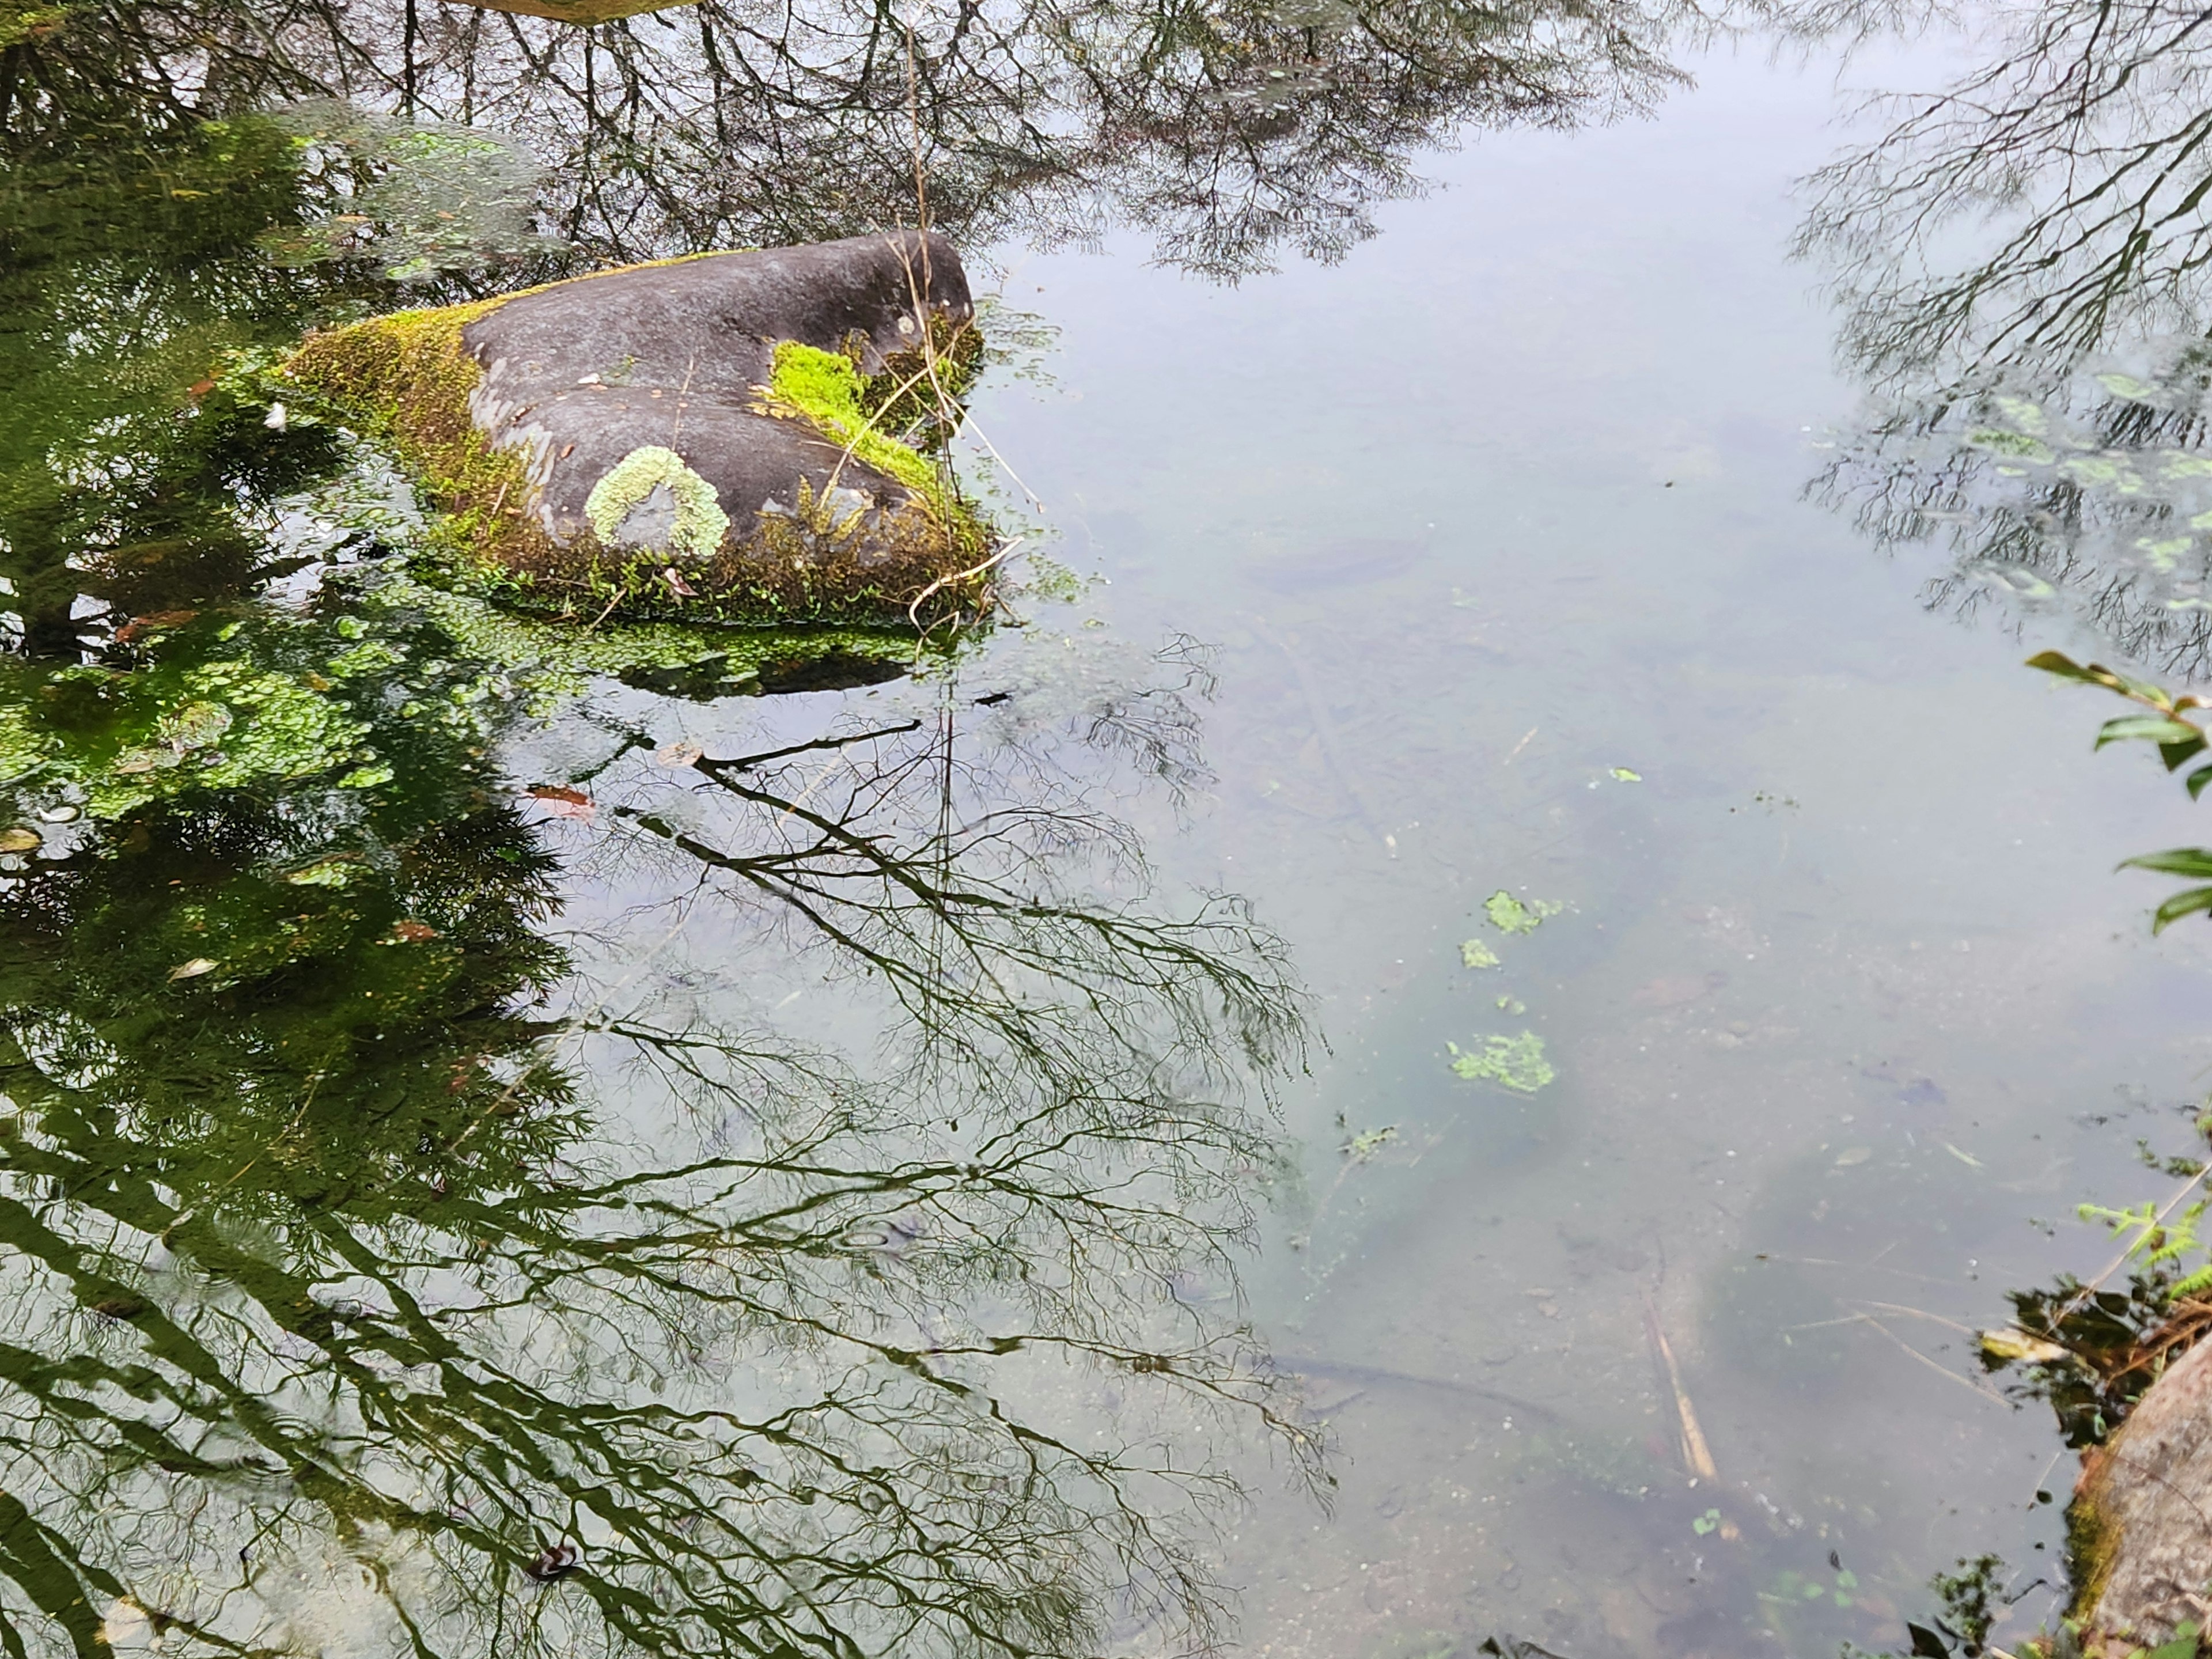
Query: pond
{"points": [[1443, 1028]]}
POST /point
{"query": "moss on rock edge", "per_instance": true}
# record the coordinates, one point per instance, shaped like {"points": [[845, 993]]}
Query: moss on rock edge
{"points": [[811, 556]]}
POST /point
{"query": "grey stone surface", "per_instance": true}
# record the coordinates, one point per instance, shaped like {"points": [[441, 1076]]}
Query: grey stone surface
{"points": [[581, 373], [2149, 1489]]}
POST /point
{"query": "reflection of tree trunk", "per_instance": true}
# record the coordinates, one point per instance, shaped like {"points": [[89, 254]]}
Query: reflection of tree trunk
{"points": [[11, 65], [49, 631]]}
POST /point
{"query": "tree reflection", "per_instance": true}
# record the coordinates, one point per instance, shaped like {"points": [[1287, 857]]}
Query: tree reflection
{"points": [[2018, 264], [357, 1300], [1226, 131]]}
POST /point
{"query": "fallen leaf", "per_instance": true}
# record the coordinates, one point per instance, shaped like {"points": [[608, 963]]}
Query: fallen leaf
{"points": [[677, 585], [413, 933], [138, 625], [20, 839], [563, 802], [193, 969], [2013, 1344], [679, 755], [1854, 1155]]}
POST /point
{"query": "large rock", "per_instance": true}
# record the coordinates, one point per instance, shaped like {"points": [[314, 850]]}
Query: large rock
{"points": [[2142, 1515], [714, 435]]}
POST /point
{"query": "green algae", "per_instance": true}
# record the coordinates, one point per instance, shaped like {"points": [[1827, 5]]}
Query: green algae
{"points": [[1475, 954], [124, 741], [1508, 915], [1516, 1063], [552, 661]]}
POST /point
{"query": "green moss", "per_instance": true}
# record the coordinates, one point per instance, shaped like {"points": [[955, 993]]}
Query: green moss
{"points": [[826, 390], [2093, 1548], [406, 380]]}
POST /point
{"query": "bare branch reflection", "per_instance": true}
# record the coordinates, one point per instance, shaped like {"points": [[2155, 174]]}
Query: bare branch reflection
{"points": [[357, 1300]]}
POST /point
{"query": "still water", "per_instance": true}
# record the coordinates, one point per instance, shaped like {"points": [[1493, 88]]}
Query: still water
{"points": [[1486, 914]]}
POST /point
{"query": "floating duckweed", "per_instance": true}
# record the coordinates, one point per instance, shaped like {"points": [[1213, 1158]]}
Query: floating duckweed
{"points": [[23, 751], [196, 726], [1516, 1063], [555, 660], [1509, 915], [1475, 954], [367, 658], [700, 523]]}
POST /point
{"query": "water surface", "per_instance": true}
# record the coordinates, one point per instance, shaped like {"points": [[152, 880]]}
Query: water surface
{"points": [[546, 1149]]}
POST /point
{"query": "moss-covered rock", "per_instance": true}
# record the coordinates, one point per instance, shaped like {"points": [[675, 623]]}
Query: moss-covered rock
{"points": [[2141, 1550], [740, 437]]}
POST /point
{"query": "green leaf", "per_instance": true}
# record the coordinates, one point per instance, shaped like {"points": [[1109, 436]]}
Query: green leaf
{"points": [[2197, 780], [2175, 754], [2180, 905], [2195, 861], [2058, 663], [2157, 728]]}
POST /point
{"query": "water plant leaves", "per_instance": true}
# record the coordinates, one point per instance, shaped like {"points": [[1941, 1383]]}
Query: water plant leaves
{"points": [[1509, 915], [1516, 1063], [1366, 1144], [1475, 954]]}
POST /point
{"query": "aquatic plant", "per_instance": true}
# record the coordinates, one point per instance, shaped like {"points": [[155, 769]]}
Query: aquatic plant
{"points": [[2178, 741], [1516, 1063], [1509, 915]]}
